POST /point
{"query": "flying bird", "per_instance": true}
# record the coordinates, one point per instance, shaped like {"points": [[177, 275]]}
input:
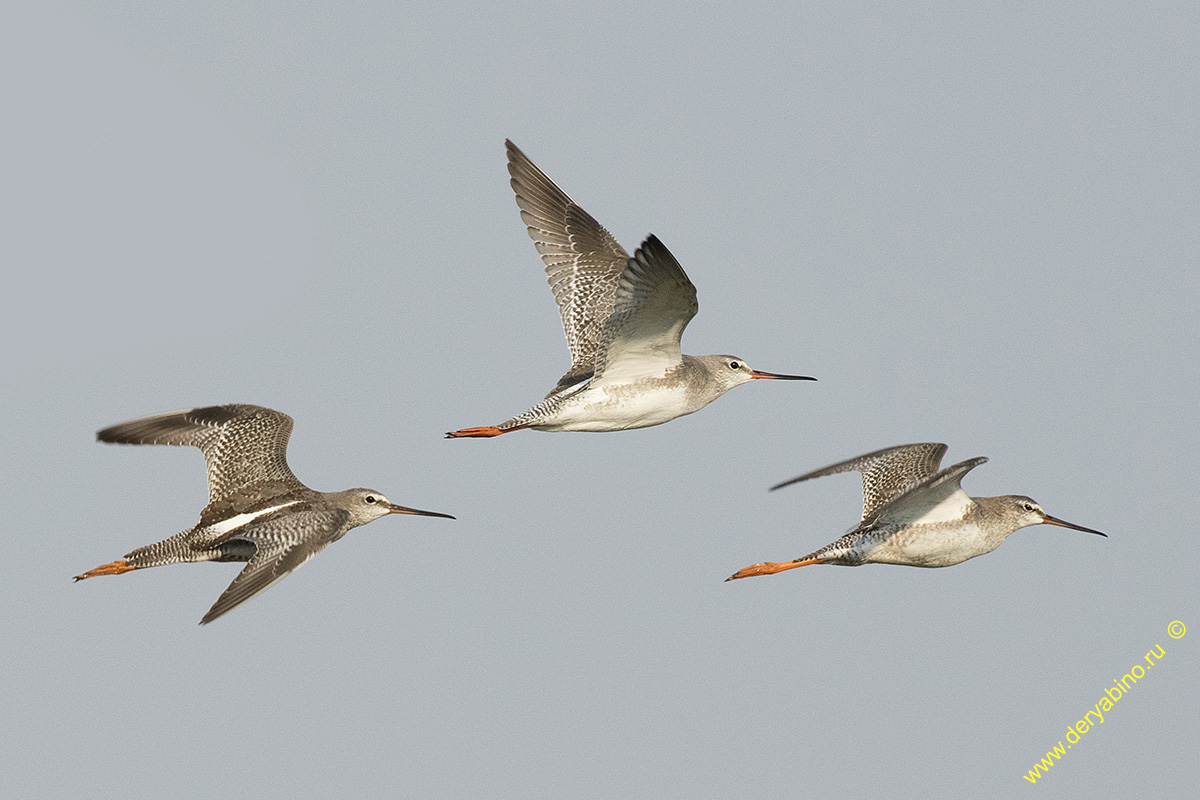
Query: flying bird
{"points": [[916, 515], [258, 511], [623, 317]]}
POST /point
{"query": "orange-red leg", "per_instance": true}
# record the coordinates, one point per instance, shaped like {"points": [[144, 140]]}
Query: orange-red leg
{"points": [[113, 568], [771, 567], [479, 433]]}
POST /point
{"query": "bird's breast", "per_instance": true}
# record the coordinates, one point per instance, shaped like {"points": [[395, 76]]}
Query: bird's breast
{"points": [[621, 406], [930, 545]]}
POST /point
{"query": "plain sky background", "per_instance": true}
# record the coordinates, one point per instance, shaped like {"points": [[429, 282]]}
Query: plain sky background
{"points": [[973, 225]]}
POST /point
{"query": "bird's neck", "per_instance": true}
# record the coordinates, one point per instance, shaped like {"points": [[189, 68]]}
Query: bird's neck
{"points": [[702, 385], [994, 517]]}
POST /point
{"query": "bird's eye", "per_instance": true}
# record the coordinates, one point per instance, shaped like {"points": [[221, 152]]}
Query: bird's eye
{"points": [[1029, 506], [370, 498], [734, 365]]}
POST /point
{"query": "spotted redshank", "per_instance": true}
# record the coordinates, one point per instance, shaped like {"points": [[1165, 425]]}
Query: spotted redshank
{"points": [[257, 512], [623, 318], [916, 515]]}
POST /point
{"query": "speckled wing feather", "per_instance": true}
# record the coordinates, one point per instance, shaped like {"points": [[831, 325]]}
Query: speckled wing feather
{"points": [[243, 445], [583, 260], [937, 498], [886, 474], [282, 545], [654, 303]]}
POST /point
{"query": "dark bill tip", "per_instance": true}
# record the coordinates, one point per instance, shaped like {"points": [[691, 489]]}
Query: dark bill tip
{"points": [[775, 376], [395, 509], [1049, 520]]}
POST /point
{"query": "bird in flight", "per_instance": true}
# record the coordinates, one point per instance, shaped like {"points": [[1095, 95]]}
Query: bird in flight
{"points": [[917, 515], [623, 317], [258, 512]]}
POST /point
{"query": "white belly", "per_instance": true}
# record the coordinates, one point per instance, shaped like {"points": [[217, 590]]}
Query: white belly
{"points": [[937, 545], [619, 408]]}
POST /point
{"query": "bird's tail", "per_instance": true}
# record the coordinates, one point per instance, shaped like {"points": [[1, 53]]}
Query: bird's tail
{"points": [[172, 550]]}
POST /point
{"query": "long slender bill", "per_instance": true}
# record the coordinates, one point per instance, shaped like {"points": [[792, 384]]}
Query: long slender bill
{"points": [[775, 376], [1049, 520], [395, 509]]}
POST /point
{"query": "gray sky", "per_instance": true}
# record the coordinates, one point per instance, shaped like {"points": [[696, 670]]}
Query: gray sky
{"points": [[976, 226]]}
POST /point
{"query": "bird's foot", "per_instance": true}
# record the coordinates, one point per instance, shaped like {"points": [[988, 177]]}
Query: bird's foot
{"points": [[771, 567], [113, 568], [478, 433]]}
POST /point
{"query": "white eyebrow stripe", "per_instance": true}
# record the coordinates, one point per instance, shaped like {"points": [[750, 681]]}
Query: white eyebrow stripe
{"points": [[238, 520]]}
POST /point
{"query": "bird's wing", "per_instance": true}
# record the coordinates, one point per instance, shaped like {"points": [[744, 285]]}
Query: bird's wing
{"points": [[583, 260], [938, 498], [886, 474], [243, 445], [654, 303], [281, 545]]}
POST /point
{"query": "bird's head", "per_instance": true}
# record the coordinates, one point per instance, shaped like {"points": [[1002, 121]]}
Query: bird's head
{"points": [[729, 371], [366, 505], [1025, 511]]}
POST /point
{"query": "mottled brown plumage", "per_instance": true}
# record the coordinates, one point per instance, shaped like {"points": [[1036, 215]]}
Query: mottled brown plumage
{"points": [[915, 515], [623, 317], [258, 511]]}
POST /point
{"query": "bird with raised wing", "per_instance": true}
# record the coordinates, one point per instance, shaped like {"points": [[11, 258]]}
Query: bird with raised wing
{"points": [[623, 317], [258, 512], [917, 515]]}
